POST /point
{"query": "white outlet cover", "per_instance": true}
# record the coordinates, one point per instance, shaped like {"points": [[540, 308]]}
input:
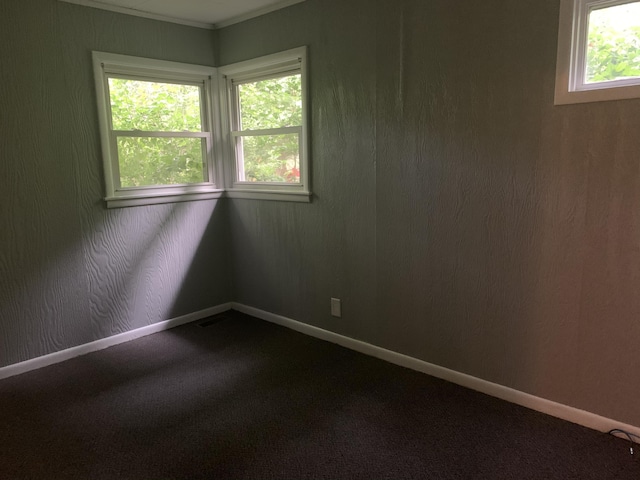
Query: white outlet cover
{"points": [[336, 307]]}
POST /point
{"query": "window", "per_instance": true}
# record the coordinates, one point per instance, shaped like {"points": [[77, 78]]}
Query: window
{"points": [[157, 130], [598, 51], [266, 127]]}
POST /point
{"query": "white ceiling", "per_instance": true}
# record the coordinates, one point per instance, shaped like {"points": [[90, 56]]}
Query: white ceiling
{"points": [[199, 13]]}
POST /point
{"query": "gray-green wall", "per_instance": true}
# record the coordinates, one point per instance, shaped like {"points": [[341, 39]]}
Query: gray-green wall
{"points": [[71, 271], [461, 217]]}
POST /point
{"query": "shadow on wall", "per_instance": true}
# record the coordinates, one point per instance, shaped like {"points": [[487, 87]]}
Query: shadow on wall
{"points": [[147, 271], [137, 267], [208, 280], [270, 267]]}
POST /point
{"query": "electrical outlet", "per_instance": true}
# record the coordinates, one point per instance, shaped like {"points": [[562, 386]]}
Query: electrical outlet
{"points": [[336, 308]]}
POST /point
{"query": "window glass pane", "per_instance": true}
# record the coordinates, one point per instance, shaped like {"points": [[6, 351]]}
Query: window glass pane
{"points": [[272, 103], [160, 161], [270, 158], [154, 106], [613, 45]]}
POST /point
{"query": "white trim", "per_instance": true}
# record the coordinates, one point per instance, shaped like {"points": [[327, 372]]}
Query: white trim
{"points": [[288, 196], [61, 356], [558, 410], [281, 62], [165, 134], [256, 13], [180, 21], [140, 13], [268, 131], [139, 200]]}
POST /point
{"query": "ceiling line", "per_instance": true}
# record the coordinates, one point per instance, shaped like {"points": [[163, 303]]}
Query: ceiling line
{"points": [[257, 13], [165, 18], [139, 13]]}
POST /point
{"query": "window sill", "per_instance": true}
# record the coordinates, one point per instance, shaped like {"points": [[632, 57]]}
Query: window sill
{"points": [[124, 201], [601, 93], [156, 199], [276, 195]]}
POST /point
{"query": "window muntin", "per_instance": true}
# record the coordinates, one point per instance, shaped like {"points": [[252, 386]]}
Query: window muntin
{"points": [[598, 57], [267, 128], [156, 129]]}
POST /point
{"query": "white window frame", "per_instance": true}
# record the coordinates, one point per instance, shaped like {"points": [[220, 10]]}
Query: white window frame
{"points": [[571, 85], [289, 62], [123, 66]]}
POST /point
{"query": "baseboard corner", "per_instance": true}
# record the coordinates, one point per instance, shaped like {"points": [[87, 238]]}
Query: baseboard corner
{"points": [[72, 352]]}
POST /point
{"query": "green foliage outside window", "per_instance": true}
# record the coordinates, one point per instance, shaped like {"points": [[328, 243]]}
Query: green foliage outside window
{"points": [[160, 161], [268, 104], [165, 107], [613, 50], [157, 107]]}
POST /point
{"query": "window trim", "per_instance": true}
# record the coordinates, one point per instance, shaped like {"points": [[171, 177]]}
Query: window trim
{"points": [[105, 64], [571, 59], [269, 66]]}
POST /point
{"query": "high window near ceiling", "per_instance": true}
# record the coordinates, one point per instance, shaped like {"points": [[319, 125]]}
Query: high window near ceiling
{"points": [[598, 51]]}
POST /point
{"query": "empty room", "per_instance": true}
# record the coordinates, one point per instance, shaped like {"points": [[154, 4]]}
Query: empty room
{"points": [[319, 239]]}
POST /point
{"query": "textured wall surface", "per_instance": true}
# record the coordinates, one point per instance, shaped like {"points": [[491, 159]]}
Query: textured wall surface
{"points": [[290, 259], [462, 217], [72, 271]]}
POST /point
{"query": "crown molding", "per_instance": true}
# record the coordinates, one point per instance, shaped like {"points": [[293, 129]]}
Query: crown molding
{"points": [[180, 21], [256, 13]]}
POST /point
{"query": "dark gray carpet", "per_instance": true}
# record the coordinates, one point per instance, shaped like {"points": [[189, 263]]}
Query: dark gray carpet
{"points": [[246, 399]]}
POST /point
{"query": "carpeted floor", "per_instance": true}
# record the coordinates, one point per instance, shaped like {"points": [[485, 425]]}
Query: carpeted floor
{"points": [[242, 398]]}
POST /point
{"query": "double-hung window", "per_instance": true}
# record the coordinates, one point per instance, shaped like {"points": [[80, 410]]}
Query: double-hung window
{"points": [[598, 51], [265, 119], [157, 129], [161, 123]]}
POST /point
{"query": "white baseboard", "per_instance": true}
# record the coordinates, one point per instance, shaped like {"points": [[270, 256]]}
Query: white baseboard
{"points": [[565, 412], [558, 410], [56, 357]]}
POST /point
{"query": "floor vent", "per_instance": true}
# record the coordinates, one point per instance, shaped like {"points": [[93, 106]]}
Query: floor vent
{"points": [[213, 320]]}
